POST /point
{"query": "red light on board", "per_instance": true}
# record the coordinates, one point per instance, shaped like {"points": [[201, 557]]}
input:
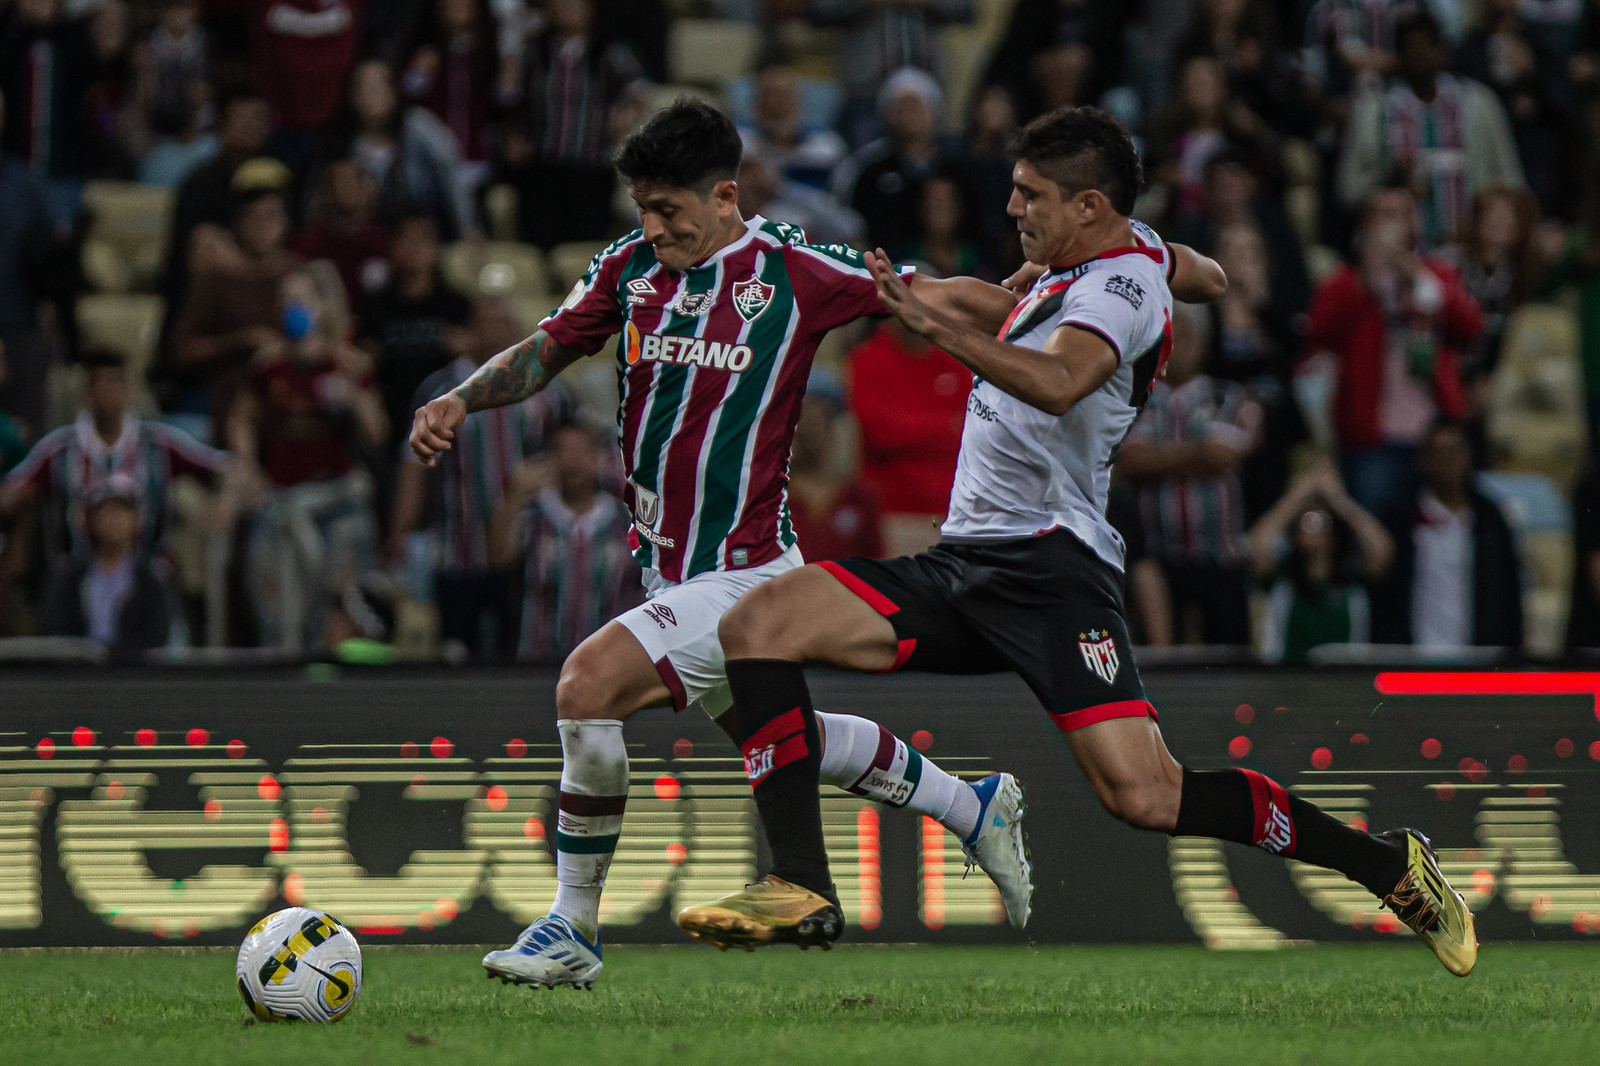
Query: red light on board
{"points": [[1431, 748], [82, 737], [1244, 714], [268, 787], [145, 738], [682, 748], [198, 738], [441, 747], [516, 747], [235, 749], [869, 912], [922, 740], [495, 798], [1321, 758], [667, 787], [1239, 747], [45, 748], [1489, 683]]}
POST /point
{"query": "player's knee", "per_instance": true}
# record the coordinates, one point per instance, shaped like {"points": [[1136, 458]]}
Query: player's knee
{"points": [[1143, 805], [756, 626], [582, 691]]}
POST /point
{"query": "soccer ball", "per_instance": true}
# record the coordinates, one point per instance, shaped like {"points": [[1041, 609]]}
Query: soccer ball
{"points": [[299, 965]]}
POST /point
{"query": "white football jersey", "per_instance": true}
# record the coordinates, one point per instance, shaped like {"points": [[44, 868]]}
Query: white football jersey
{"points": [[1024, 472]]}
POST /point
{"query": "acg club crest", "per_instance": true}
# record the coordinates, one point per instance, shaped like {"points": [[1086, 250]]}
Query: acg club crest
{"points": [[1100, 654], [751, 297]]}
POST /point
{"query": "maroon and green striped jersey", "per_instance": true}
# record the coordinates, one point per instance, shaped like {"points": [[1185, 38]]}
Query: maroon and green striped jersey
{"points": [[711, 370]]}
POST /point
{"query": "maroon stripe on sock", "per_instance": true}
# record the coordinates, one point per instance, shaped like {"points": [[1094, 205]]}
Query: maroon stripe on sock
{"points": [[581, 806], [1273, 829], [789, 722], [881, 760]]}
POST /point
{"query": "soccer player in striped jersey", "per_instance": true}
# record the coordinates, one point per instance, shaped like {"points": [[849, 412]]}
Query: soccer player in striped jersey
{"points": [[1028, 577], [720, 317]]}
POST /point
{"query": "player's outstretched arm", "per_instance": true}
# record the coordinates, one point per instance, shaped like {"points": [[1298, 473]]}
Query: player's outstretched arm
{"points": [[507, 378], [1073, 363], [1195, 278], [970, 300]]}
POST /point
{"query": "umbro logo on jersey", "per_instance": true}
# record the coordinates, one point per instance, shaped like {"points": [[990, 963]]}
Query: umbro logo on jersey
{"points": [[661, 615], [751, 297], [1127, 288], [640, 290], [1100, 654]]}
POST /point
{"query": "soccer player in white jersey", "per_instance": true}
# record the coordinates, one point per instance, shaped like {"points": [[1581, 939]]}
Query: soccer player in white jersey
{"points": [[720, 317], [1028, 574]]}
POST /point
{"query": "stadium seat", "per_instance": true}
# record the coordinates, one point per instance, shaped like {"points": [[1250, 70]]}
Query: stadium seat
{"points": [[500, 210], [1536, 418], [495, 268], [126, 324], [127, 234], [711, 51], [569, 262], [820, 101]]}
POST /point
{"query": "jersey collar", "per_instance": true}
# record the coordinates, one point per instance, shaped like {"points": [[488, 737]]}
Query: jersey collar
{"points": [[752, 226], [1110, 253]]}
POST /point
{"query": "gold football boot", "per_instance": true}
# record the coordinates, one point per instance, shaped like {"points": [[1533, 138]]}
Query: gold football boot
{"points": [[769, 911], [1436, 912]]}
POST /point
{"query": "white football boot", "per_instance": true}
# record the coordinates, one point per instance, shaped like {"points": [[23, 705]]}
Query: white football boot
{"points": [[998, 847], [549, 952]]}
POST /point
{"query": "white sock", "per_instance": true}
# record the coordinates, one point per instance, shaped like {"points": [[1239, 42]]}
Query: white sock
{"points": [[594, 791], [864, 758]]}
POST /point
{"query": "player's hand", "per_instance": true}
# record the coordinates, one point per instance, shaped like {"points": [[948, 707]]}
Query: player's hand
{"points": [[434, 426], [1019, 283], [897, 295]]}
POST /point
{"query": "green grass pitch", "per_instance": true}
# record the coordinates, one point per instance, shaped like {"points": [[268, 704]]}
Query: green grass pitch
{"points": [[881, 1006]]}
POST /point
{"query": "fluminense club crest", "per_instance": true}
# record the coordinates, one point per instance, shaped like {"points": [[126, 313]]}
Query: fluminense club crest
{"points": [[751, 297], [1100, 654]]}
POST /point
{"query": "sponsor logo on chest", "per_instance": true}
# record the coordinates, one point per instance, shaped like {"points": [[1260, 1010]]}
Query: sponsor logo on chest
{"points": [[686, 351]]}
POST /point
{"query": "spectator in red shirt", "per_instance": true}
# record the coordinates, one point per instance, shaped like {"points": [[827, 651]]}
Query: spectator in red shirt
{"points": [[343, 228], [910, 400], [308, 399], [301, 51], [834, 516], [1394, 327]]}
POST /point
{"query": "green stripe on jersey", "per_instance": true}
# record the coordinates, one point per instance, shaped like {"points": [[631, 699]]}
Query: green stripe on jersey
{"points": [[737, 420]]}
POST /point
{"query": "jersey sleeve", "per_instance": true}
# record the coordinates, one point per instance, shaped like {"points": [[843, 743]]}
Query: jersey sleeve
{"points": [[187, 455], [1120, 305], [832, 285], [592, 312]]}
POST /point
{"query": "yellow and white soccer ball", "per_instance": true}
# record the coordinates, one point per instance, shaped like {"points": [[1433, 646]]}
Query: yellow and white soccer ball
{"points": [[299, 965]]}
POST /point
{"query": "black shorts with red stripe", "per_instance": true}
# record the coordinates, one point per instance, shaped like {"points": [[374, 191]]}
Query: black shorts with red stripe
{"points": [[1044, 607]]}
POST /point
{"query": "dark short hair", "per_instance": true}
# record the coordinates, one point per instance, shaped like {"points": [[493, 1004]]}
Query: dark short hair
{"points": [[1417, 19], [1083, 148], [689, 145]]}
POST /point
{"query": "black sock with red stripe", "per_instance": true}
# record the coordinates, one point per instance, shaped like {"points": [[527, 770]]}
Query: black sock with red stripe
{"points": [[1251, 808], [783, 756]]}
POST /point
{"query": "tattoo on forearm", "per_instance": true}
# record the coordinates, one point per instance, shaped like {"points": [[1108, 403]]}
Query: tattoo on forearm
{"points": [[516, 373]]}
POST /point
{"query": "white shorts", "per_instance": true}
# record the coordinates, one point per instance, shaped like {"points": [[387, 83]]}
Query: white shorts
{"points": [[677, 625]]}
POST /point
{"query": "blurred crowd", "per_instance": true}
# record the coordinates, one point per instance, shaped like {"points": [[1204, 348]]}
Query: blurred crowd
{"points": [[243, 239]]}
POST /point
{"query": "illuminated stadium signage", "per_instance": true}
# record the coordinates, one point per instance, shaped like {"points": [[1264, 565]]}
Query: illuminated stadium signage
{"points": [[199, 804]]}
